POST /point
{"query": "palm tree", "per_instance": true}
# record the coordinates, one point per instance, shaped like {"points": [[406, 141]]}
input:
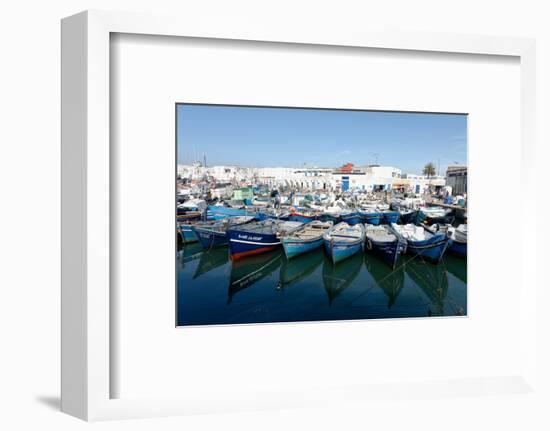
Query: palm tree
{"points": [[429, 170]]}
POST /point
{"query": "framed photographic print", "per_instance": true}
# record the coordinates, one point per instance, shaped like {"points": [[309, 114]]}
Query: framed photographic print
{"points": [[262, 218], [270, 205]]}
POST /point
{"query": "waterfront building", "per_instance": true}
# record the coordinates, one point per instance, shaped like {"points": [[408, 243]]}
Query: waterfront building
{"points": [[457, 178]]}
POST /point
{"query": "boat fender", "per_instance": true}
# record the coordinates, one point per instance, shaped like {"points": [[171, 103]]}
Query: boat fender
{"points": [[369, 244]]}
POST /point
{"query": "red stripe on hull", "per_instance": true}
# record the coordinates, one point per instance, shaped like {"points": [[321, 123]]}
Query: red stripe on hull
{"points": [[238, 256]]}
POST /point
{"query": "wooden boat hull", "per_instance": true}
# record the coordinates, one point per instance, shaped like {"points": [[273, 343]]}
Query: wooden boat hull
{"points": [[338, 251], [296, 246], [458, 248], [352, 219], [243, 244], [330, 217], [431, 249], [390, 217], [371, 218], [301, 217], [210, 238], [389, 252], [220, 212], [187, 233], [413, 217]]}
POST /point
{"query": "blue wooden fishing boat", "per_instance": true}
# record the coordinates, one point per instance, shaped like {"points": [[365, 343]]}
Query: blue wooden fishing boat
{"points": [[186, 232], [352, 218], [220, 212], [332, 217], [272, 214], [458, 242], [411, 216], [390, 217], [307, 238], [422, 242], [343, 241], [258, 237], [303, 217], [437, 215], [213, 234], [385, 243], [370, 217], [458, 237]]}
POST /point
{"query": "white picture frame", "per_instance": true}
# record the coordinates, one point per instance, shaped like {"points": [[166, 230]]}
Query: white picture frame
{"points": [[86, 312]]}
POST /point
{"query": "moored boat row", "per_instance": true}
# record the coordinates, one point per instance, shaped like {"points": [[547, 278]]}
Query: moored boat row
{"points": [[246, 236]]}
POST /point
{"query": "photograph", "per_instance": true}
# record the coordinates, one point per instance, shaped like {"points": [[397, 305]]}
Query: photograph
{"points": [[299, 214]]}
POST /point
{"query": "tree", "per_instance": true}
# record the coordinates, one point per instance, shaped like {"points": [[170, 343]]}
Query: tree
{"points": [[429, 170]]}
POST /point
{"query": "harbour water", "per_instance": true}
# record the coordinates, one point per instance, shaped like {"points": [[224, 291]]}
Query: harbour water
{"points": [[212, 289]]}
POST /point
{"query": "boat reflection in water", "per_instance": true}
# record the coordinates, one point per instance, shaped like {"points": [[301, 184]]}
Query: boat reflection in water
{"points": [[338, 277], [189, 253], [455, 265], [391, 281], [309, 287], [298, 268], [246, 272], [211, 259], [432, 280]]}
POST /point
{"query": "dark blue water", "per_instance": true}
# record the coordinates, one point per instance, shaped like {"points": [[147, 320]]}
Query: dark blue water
{"points": [[269, 288]]}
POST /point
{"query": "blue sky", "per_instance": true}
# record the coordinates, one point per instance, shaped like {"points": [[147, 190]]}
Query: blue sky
{"points": [[260, 137]]}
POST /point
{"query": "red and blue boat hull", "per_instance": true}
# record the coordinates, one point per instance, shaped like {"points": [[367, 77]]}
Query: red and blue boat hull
{"points": [[243, 243]]}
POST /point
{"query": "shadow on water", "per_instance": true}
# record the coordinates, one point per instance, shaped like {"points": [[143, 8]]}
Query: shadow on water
{"points": [[298, 268], [246, 272], [211, 259], [391, 281], [338, 277]]}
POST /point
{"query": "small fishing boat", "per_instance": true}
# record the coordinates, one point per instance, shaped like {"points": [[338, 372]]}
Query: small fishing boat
{"points": [[303, 216], [422, 242], [191, 210], [186, 231], [458, 237], [389, 216], [351, 217], [370, 216], [343, 241], [385, 243], [270, 213], [307, 238], [211, 234], [437, 215], [411, 216], [458, 243], [258, 236], [333, 216], [219, 212]]}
